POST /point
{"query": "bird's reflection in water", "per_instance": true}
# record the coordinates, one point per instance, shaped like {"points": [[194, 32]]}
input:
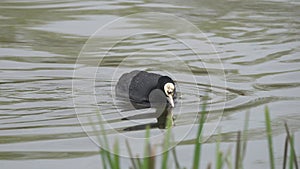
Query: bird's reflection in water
{"points": [[161, 117]]}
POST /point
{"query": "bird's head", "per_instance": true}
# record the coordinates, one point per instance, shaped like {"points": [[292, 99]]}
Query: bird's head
{"points": [[169, 89], [168, 86]]}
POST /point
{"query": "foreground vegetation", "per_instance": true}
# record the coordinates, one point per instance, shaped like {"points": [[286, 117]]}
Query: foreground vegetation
{"points": [[112, 160]]}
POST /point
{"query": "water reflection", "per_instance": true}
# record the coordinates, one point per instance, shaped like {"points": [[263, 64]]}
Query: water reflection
{"points": [[257, 41]]}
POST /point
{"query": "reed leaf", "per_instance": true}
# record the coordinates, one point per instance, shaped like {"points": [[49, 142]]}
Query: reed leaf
{"points": [[269, 137], [285, 151], [293, 152], [166, 143], [198, 144], [134, 165]]}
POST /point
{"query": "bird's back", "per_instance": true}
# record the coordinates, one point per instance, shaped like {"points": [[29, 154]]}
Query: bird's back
{"points": [[136, 86], [141, 86]]}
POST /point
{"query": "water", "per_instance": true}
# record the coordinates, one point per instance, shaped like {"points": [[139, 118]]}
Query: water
{"points": [[257, 43]]}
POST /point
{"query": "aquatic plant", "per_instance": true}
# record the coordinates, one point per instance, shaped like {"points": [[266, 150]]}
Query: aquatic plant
{"points": [[112, 160]]}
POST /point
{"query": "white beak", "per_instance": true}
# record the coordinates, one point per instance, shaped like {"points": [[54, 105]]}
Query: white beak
{"points": [[171, 101]]}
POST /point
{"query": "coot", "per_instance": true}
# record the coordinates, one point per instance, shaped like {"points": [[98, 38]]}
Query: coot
{"points": [[144, 90]]}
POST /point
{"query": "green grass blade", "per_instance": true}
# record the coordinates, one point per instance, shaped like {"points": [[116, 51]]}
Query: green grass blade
{"points": [[147, 149], [269, 137], [291, 145], [103, 130], [109, 159], [175, 158], [146, 163], [165, 160], [175, 155], [219, 160], [238, 150], [90, 120], [219, 155], [228, 159], [102, 154], [138, 160], [152, 159], [134, 165], [245, 137], [291, 162], [116, 155], [166, 143], [105, 143], [197, 151], [285, 151], [105, 156]]}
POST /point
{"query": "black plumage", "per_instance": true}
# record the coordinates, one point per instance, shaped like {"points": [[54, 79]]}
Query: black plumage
{"points": [[144, 90]]}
